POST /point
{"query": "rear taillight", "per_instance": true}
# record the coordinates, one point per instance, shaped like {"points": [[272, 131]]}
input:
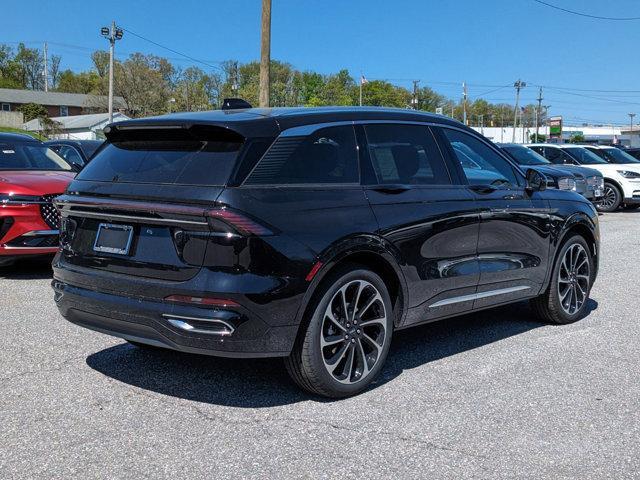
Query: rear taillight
{"points": [[238, 221]]}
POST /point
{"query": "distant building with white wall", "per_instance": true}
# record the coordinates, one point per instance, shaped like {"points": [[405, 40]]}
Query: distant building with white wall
{"points": [[604, 134]]}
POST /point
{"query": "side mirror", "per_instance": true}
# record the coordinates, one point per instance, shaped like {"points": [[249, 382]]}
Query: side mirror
{"points": [[536, 181]]}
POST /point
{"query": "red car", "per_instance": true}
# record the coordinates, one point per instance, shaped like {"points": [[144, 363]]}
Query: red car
{"points": [[31, 175]]}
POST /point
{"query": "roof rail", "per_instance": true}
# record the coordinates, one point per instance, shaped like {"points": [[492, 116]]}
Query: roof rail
{"points": [[235, 104]]}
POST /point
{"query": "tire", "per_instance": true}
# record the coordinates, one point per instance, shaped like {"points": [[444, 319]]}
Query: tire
{"points": [[611, 199], [556, 304], [357, 345]]}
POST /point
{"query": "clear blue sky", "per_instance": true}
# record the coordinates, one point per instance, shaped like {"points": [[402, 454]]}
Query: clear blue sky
{"points": [[488, 43]]}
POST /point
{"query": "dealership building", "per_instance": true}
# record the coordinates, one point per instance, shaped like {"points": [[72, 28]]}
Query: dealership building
{"points": [[601, 134]]}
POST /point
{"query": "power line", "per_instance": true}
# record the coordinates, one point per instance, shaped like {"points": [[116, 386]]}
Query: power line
{"points": [[172, 50], [581, 14]]}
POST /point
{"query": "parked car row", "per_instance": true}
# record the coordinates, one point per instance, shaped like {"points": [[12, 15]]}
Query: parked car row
{"points": [[620, 171]]}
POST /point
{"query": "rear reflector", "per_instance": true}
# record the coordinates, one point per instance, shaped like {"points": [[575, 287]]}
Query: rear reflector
{"points": [[312, 273], [205, 301]]}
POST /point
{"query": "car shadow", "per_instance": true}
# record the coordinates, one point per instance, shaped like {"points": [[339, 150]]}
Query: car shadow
{"points": [[259, 383], [27, 269]]}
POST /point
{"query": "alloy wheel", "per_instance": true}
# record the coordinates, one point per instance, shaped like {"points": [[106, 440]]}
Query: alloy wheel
{"points": [[354, 331], [573, 279], [609, 198]]}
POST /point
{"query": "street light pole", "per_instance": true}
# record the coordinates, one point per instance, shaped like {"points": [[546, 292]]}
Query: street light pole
{"points": [[631, 115], [112, 34]]}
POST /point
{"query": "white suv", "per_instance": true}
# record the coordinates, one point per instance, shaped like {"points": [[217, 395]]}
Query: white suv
{"points": [[621, 180]]}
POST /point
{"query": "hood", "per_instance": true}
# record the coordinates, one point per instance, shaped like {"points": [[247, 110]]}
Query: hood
{"points": [[551, 170], [585, 171], [34, 182], [612, 168]]}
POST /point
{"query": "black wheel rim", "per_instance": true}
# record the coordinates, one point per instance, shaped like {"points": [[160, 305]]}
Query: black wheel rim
{"points": [[354, 332], [573, 279]]}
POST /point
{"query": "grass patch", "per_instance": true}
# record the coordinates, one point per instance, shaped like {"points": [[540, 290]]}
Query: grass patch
{"points": [[19, 130]]}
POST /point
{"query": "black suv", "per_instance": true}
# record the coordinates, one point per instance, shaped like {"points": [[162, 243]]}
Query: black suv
{"points": [[311, 234]]}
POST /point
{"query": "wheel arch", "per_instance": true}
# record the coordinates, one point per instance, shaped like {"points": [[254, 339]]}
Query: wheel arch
{"points": [[582, 225], [616, 184], [371, 252]]}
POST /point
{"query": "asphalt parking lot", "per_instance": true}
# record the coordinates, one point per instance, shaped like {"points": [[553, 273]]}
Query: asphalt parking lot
{"points": [[491, 395]]}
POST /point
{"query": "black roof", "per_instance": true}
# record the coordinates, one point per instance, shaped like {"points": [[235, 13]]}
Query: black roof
{"points": [[17, 138], [270, 121]]}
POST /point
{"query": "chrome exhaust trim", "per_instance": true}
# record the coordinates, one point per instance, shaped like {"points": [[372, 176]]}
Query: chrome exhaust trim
{"points": [[182, 322]]}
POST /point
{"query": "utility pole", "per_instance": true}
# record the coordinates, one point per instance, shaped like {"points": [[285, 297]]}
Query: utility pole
{"points": [[235, 82], [112, 34], [265, 54], [631, 115], [538, 114], [45, 73], [481, 123], [464, 103], [519, 85], [414, 100]]}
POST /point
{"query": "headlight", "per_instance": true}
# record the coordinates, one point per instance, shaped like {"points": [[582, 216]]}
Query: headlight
{"points": [[628, 174], [11, 199], [595, 181], [566, 183]]}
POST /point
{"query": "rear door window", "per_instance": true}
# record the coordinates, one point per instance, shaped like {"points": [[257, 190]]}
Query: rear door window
{"points": [[180, 158], [327, 156], [405, 154]]}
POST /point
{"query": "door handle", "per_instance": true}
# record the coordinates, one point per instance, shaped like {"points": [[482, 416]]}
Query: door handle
{"points": [[391, 188], [483, 188]]}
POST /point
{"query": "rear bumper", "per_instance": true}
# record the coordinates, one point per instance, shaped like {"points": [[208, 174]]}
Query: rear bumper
{"points": [[150, 321]]}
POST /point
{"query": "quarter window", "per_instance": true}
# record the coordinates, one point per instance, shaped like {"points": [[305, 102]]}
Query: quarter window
{"points": [[405, 154], [327, 156], [481, 164]]}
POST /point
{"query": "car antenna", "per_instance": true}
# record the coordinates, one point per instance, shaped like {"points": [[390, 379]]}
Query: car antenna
{"points": [[235, 104]]}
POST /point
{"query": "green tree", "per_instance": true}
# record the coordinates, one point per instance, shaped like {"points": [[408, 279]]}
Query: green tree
{"points": [[33, 110], [540, 138], [429, 100], [577, 138], [380, 93], [83, 82]]}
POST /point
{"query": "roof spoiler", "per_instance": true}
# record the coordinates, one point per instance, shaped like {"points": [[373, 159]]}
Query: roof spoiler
{"points": [[235, 104]]}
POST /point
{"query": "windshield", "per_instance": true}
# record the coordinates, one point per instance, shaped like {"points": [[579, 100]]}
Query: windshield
{"points": [[30, 156], [526, 156], [584, 156], [615, 155]]}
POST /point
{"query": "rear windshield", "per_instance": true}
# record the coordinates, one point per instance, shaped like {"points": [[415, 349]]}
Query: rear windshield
{"points": [[30, 156], [163, 157]]}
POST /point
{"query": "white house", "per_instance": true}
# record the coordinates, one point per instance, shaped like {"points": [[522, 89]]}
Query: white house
{"points": [[78, 127]]}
